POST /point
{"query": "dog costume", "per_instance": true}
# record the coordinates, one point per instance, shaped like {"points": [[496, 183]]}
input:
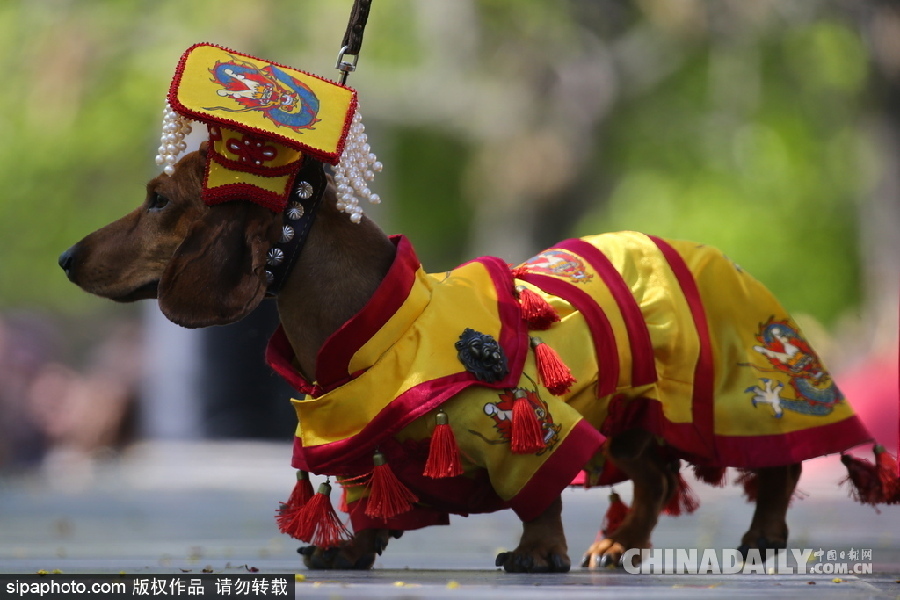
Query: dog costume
{"points": [[668, 336], [488, 387]]}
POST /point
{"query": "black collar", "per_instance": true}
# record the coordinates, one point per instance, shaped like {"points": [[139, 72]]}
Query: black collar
{"points": [[297, 219]]}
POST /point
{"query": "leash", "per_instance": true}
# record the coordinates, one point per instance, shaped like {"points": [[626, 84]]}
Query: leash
{"points": [[353, 38]]}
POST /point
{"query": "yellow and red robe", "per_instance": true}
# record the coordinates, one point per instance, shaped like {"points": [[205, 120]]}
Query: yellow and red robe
{"points": [[663, 335]]}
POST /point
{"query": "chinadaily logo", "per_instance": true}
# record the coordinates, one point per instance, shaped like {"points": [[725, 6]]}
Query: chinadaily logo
{"points": [[708, 561]]}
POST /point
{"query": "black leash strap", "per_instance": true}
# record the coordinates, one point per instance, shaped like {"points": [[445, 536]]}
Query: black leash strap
{"points": [[353, 38]]}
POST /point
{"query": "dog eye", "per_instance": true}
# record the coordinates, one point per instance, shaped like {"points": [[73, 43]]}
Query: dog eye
{"points": [[157, 203]]}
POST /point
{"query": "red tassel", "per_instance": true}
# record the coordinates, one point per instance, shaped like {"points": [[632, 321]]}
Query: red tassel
{"points": [[342, 503], [554, 374], [886, 468], [535, 309], [317, 522], [614, 516], [865, 486], [748, 480], [714, 476], [527, 434], [301, 494], [683, 500], [443, 453], [388, 496]]}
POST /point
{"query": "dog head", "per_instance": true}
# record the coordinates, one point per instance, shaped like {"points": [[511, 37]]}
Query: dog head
{"points": [[204, 264]]}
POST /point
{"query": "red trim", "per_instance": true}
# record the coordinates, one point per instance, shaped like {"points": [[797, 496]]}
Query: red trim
{"points": [[279, 356], [792, 446], [248, 192], [328, 157], [558, 471], [702, 407], [333, 360], [601, 330], [513, 333], [643, 366]]}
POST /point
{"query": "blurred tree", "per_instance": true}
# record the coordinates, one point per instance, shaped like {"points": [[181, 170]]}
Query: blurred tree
{"points": [[503, 125], [741, 127]]}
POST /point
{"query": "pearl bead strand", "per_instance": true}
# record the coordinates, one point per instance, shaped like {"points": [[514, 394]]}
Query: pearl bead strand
{"points": [[356, 168], [171, 144]]}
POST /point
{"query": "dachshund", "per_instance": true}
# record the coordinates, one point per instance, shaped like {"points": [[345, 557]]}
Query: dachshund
{"points": [[205, 265]]}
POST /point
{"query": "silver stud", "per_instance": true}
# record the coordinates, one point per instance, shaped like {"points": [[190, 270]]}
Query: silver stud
{"points": [[270, 279], [275, 257], [287, 234], [295, 211], [305, 190]]}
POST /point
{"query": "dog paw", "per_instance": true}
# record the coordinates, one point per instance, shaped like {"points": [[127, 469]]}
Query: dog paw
{"points": [[338, 557], [534, 561], [357, 554], [606, 553]]}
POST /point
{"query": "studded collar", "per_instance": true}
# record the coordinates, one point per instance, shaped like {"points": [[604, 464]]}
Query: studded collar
{"points": [[297, 219]]}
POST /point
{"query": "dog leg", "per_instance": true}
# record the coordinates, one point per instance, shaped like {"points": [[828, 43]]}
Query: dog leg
{"points": [[635, 453], [768, 529], [542, 548], [358, 553]]}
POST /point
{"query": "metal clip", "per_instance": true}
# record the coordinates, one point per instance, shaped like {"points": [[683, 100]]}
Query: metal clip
{"points": [[344, 66]]}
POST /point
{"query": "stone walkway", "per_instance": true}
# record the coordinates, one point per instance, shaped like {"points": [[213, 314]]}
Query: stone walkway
{"points": [[173, 508]]}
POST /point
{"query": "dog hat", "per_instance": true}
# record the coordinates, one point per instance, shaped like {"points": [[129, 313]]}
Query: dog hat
{"points": [[264, 119]]}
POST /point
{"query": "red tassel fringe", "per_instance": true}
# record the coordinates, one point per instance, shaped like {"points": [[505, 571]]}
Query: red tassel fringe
{"points": [[614, 516], [317, 523], [714, 476], [443, 453], [865, 486], [888, 477], [683, 501], [870, 483], [301, 494], [554, 374], [527, 433], [536, 311], [388, 496]]}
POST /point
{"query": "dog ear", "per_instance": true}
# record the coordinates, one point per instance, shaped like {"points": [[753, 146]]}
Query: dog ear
{"points": [[217, 275]]}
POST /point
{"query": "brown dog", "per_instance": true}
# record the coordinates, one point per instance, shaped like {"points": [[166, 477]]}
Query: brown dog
{"points": [[205, 265]]}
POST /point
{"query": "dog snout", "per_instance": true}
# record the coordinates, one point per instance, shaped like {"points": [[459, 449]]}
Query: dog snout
{"points": [[67, 260]]}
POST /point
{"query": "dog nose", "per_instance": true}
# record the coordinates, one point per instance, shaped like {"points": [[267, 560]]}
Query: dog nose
{"points": [[67, 259]]}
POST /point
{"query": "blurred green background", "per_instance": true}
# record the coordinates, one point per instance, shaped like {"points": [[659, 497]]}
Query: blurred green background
{"points": [[504, 125], [768, 128]]}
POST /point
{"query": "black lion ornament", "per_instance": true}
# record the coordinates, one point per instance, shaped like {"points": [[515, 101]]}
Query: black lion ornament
{"points": [[482, 356]]}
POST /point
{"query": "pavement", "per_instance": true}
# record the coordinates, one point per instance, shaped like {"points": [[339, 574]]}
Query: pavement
{"points": [[168, 507]]}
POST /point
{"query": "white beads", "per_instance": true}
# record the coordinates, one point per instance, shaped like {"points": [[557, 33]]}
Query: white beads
{"points": [[357, 167], [171, 143]]}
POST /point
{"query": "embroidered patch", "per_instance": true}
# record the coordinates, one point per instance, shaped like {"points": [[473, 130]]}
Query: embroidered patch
{"points": [[788, 352], [285, 100], [482, 356], [502, 410], [559, 263]]}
